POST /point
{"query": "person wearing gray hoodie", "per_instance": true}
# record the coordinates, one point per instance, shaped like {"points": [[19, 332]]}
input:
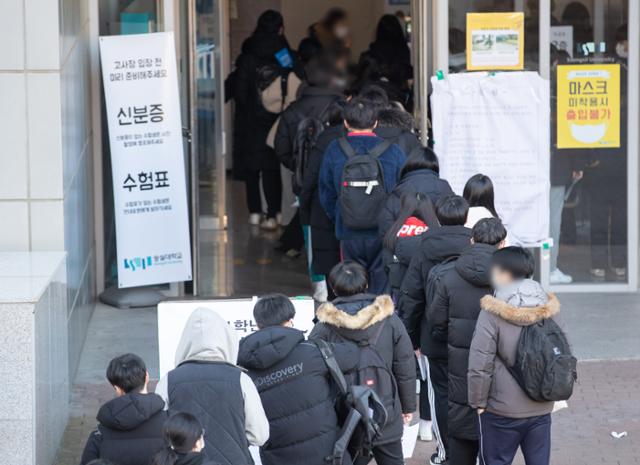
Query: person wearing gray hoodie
{"points": [[508, 418], [208, 384]]}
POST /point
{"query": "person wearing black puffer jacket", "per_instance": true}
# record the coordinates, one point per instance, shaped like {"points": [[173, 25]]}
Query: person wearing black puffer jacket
{"points": [[130, 426], [419, 175], [397, 126], [451, 318], [294, 384], [361, 318]]}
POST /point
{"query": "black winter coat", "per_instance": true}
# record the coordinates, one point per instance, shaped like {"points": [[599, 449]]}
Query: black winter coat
{"points": [[297, 394], [129, 430], [424, 182], [438, 244], [406, 140], [452, 318], [356, 319], [313, 102], [325, 245], [252, 120]]}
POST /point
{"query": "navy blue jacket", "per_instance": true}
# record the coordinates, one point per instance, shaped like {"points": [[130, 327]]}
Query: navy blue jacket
{"points": [[331, 174]]}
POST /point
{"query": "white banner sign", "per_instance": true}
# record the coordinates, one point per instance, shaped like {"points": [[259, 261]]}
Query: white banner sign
{"points": [[173, 316], [145, 133], [498, 125]]}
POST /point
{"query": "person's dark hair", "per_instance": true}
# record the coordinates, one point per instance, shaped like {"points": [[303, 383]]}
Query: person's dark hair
{"points": [[273, 310], [390, 30], [269, 22], [308, 48], [622, 33], [452, 210], [516, 260], [101, 462], [335, 113], [422, 159], [478, 191], [576, 14], [181, 433], [360, 114], [412, 204], [376, 95], [320, 70], [348, 278], [396, 118], [128, 372], [489, 231], [333, 16]]}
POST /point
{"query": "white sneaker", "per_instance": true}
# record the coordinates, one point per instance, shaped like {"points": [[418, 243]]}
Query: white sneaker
{"points": [[270, 224], [425, 432], [279, 219], [254, 219], [558, 277], [599, 273]]}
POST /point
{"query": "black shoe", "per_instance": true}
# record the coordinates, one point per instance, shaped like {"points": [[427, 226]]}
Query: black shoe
{"points": [[435, 460]]}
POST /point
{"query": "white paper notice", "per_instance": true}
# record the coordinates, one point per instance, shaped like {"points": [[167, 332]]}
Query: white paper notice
{"points": [[498, 125]]}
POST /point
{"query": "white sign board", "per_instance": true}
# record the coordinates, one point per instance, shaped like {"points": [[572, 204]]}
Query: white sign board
{"points": [[562, 38], [145, 134], [173, 316], [498, 125]]}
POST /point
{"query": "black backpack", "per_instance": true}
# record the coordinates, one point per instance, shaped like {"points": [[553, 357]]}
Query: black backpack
{"points": [[436, 274], [364, 414], [362, 190], [545, 369]]}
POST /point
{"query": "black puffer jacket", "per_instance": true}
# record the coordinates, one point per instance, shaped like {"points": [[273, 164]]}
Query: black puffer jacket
{"points": [[297, 394], [438, 244], [406, 140], [313, 102], [452, 318], [424, 182], [357, 319], [252, 121], [129, 430]]}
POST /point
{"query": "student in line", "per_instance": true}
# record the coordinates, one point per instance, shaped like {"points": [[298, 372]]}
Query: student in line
{"points": [[294, 384], [478, 191], [130, 426], [452, 317], [184, 442], [208, 384], [508, 418], [366, 320], [357, 173], [441, 244]]}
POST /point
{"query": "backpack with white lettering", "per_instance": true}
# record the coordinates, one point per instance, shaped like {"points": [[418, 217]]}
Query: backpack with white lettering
{"points": [[362, 189], [545, 369]]}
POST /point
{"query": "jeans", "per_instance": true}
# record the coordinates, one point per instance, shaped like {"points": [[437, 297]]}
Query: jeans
{"points": [[272, 188], [556, 200], [500, 438]]}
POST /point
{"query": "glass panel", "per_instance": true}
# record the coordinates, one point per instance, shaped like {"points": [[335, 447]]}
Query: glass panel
{"points": [[589, 141]]}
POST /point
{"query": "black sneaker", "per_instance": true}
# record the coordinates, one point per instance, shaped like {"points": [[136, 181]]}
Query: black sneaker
{"points": [[436, 460]]}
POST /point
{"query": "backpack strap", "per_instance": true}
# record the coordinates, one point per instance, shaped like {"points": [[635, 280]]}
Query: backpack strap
{"points": [[379, 149], [346, 147], [284, 86], [376, 336], [332, 365]]}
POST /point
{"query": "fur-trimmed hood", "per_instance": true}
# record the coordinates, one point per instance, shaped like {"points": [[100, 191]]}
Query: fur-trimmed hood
{"points": [[521, 316], [344, 313]]}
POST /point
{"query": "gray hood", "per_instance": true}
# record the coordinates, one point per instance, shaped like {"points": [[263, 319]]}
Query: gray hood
{"points": [[207, 338], [525, 293]]}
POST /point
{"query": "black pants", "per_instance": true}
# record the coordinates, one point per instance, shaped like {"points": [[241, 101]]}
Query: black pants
{"points": [[500, 438], [425, 410], [367, 251], [272, 188], [439, 374], [463, 451], [385, 454], [609, 226]]}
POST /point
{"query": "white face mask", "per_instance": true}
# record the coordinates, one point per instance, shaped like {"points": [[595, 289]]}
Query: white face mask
{"points": [[341, 32], [621, 50]]}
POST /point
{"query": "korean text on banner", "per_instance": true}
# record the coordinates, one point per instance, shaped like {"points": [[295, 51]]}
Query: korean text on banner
{"points": [[588, 112], [498, 125], [145, 134], [495, 41]]}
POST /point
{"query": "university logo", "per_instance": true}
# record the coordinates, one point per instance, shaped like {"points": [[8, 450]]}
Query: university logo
{"points": [[137, 263]]}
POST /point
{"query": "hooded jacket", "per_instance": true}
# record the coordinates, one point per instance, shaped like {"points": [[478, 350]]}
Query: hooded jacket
{"points": [[451, 319], [297, 394], [438, 244], [129, 430], [207, 383], [403, 138], [424, 182], [495, 343], [329, 182], [357, 319]]}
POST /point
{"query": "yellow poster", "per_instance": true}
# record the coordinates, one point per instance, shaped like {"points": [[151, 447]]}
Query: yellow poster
{"points": [[495, 41], [588, 113]]}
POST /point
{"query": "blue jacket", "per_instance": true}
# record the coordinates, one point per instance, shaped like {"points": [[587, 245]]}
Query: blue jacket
{"points": [[333, 163]]}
